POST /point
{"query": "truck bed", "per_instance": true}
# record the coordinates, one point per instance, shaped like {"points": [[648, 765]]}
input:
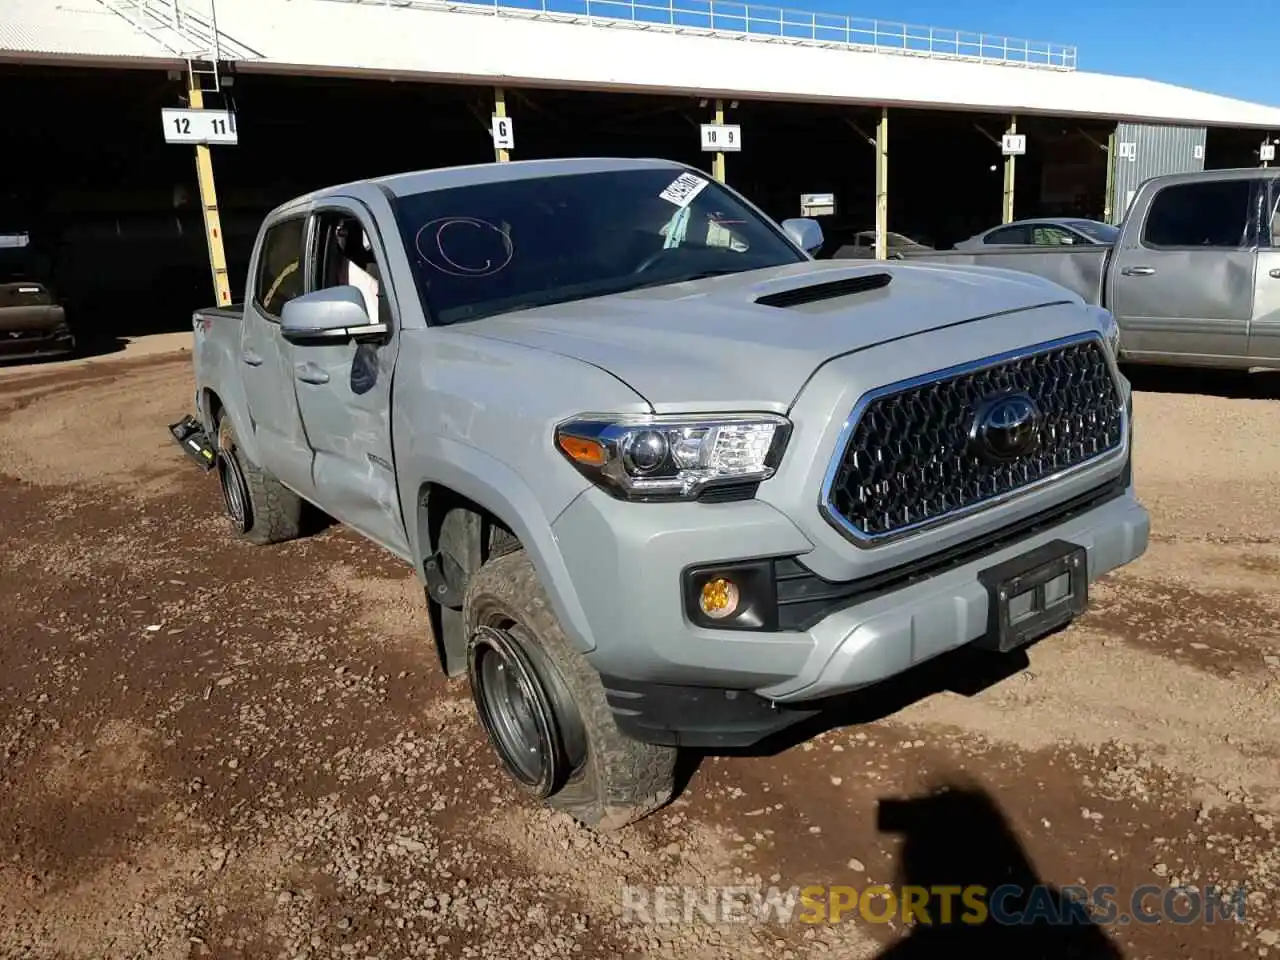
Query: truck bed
{"points": [[233, 312], [1082, 269]]}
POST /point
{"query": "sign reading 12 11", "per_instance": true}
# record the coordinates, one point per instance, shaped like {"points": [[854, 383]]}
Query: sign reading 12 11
{"points": [[183, 125]]}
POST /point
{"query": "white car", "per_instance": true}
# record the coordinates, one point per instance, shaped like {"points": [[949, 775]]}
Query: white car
{"points": [[1043, 232]]}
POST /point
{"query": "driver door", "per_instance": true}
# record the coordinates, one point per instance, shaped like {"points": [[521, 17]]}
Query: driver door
{"points": [[344, 389]]}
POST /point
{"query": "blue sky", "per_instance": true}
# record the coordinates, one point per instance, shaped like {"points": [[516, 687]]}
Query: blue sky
{"points": [[1231, 47]]}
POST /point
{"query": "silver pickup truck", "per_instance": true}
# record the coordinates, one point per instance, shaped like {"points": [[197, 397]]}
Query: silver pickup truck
{"points": [[667, 481], [1194, 278]]}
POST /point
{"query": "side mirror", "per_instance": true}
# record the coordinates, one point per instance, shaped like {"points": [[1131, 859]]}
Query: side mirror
{"points": [[332, 315], [804, 233]]}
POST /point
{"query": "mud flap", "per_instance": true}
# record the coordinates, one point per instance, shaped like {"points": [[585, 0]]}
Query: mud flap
{"points": [[195, 443]]}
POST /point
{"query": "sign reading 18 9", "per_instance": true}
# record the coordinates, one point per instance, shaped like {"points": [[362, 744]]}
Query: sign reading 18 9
{"points": [[199, 126], [721, 137]]}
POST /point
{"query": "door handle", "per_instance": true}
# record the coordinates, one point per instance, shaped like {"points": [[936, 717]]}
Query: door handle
{"points": [[1138, 271], [309, 373], [251, 358], [1274, 274]]}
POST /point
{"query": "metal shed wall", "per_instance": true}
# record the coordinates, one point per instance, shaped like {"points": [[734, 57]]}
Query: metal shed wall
{"points": [[1151, 150]]}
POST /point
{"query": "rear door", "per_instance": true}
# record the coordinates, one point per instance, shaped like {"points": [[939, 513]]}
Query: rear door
{"points": [[344, 390], [265, 370], [1181, 285], [1264, 331]]}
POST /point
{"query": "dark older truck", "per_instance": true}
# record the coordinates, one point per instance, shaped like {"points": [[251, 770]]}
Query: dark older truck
{"points": [[32, 323], [1194, 277]]}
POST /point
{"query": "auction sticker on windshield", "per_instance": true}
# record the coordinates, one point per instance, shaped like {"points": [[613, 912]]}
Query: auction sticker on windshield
{"points": [[683, 189]]}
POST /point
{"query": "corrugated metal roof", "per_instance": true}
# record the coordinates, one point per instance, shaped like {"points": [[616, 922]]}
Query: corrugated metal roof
{"points": [[472, 44], [74, 28], [469, 42]]}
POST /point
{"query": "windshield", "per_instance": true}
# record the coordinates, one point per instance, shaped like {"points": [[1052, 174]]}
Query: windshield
{"points": [[18, 263], [509, 245], [1094, 230]]}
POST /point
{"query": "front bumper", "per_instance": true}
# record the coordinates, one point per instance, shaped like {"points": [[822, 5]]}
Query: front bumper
{"points": [[672, 682], [28, 333]]}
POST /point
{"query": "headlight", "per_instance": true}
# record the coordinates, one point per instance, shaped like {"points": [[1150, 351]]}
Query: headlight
{"points": [[673, 457], [1110, 330]]}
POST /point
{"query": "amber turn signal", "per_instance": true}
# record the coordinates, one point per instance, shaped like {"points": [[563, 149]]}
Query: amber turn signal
{"points": [[589, 453]]}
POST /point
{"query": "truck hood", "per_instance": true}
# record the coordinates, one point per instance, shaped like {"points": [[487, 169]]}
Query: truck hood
{"points": [[711, 345]]}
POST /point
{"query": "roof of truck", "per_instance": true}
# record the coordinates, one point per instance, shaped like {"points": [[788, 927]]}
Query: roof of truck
{"points": [[442, 178]]}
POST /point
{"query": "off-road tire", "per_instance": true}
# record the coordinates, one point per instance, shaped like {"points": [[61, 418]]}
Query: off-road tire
{"points": [[273, 511], [621, 780]]}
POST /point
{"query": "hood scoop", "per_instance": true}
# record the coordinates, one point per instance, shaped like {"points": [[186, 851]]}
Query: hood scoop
{"points": [[830, 290]]}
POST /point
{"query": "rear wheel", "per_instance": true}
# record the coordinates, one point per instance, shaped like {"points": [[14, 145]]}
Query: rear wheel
{"points": [[544, 709], [260, 508]]}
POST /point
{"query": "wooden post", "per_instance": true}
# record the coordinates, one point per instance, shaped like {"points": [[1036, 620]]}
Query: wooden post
{"points": [[882, 185], [1010, 169], [717, 164], [209, 204], [500, 110]]}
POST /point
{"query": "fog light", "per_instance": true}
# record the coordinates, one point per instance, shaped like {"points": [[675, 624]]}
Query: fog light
{"points": [[719, 598]]}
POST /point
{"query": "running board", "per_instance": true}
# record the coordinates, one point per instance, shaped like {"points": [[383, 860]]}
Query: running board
{"points": [[190, 436]]}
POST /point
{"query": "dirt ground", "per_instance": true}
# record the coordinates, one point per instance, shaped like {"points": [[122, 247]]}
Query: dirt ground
{"points": [[214, 750]]}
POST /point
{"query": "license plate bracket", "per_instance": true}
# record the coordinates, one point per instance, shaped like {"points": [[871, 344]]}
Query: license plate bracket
{"points": [[1033, 594]]}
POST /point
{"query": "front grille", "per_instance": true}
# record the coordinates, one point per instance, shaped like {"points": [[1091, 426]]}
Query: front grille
{"points": [[909, 461]]}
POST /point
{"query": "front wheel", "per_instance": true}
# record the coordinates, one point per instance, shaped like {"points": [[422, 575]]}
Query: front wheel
{"points": [[544, 708]]}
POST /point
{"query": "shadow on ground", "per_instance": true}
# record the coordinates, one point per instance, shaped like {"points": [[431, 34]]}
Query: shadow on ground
{"points": [[956, 836], [1229, 384]]}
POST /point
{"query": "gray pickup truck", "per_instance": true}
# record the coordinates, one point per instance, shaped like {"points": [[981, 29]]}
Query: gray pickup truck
{"points": [[667, 481], [1194, 278]]}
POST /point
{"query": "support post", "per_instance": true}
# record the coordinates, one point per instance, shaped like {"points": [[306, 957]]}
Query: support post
{"points": [[717, 164], [500, 109], [882, 185], [1109, 202], [209, 204], [1010, 167]]}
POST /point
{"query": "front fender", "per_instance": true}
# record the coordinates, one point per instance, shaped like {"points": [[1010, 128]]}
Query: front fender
{"points": [[497, 488]]}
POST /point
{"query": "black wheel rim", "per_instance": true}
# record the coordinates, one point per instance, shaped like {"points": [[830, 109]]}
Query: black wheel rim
{"points": [[234, 494], [514, 710]]}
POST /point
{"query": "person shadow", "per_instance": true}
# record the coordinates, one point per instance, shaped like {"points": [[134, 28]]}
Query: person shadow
{"points": [[956, 836]]}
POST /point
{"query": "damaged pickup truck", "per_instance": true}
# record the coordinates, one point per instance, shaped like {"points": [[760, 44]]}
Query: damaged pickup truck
{"points": [[667, 481]]}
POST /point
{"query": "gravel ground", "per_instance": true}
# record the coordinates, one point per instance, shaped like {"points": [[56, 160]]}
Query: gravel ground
{"points": [[214, 750]]}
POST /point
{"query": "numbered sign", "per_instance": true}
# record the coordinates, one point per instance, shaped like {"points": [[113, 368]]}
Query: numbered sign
{"points": [[504, 133], [199, 126], [1267, 152], [721, 137], [817, 204], [1014, 144], [1127, 150]]}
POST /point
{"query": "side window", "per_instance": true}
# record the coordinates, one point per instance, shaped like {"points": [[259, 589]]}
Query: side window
{"points": [[345, 257], [1050, 236], [279, 277], [1204, 215], [1017, 235]]}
